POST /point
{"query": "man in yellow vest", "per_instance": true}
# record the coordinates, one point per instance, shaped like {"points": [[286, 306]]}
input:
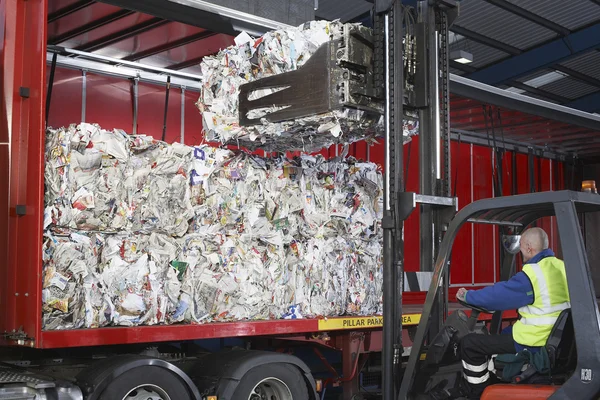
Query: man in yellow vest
{"points": [[539, 292]]}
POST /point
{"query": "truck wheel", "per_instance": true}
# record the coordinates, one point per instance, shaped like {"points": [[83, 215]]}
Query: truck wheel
{"points": [[146, 383], [273, 382]]}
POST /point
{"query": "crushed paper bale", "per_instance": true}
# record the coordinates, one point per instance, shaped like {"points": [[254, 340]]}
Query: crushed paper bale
{"points": [[275, 53], [139, 232]]}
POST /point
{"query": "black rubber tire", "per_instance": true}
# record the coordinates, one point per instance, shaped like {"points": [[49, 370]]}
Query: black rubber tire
{"points": [[288, 374], [161, 377]]}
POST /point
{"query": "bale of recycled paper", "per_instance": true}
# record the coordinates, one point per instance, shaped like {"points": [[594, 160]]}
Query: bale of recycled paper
{"points": [[275, 53], [139, 232]]}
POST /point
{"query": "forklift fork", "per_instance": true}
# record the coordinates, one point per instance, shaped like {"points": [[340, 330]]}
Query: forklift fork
{"points": [[338, 75]]}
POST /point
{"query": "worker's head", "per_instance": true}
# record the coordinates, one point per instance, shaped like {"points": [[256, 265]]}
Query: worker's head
{"points": [[533, 241]]}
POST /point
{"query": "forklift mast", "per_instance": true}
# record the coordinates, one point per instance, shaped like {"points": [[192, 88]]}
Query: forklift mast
{"points": [[400, 70], [411, 62]]}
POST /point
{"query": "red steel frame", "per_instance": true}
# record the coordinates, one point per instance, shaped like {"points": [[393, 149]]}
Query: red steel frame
{"points": [[23, 56], [173, 333]]}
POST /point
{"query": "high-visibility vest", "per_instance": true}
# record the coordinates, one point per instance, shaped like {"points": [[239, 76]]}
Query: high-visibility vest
{"points": [[551, 297]]}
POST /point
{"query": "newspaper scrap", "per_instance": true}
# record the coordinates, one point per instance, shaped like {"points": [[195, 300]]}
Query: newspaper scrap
{"points": [[138, 232], [275, 53]]}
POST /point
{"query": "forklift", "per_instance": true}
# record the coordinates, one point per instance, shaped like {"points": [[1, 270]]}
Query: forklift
{"points": [[400, 70], [574, 343]]}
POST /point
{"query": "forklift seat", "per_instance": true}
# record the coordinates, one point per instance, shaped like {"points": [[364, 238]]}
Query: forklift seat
{"points": [[560, 348], [520, 392]]}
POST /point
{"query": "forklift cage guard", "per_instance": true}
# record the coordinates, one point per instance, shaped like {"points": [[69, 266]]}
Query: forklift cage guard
{"points": [[521, 211]]}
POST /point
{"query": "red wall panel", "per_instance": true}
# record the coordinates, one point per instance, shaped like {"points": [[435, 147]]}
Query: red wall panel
{"points": [[462, 252], [485, 236], [377, 153], [109, 102], [151, 112], [412, 237], [65, 104], [507, 173], [6, 274], [23, 61]]}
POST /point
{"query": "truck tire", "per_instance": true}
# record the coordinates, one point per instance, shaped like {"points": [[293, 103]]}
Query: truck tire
{"points": [[273, 382], [146, 382]]}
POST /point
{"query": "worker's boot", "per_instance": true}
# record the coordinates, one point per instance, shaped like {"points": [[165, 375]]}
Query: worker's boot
{"points": [[461, 392]]}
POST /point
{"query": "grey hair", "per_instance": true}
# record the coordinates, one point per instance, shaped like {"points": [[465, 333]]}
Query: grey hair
{"points": [[537, 237]]}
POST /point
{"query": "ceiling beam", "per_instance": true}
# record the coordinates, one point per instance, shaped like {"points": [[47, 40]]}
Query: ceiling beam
{"points": [[116, 37], [578, 75], [551, 137], [589, 151], [519, 85], [90, 26], [169, 46], [528, 15], [186, 64], [583, 145], [488, 41], [462, 67], [464, 87], [555, 134], [508, 144], [70, 9], [589, 103], [204, 14], [540, 92], [539, 57]]}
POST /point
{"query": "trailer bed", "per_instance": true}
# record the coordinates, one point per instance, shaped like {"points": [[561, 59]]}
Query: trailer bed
{"points": [[217, 330]]}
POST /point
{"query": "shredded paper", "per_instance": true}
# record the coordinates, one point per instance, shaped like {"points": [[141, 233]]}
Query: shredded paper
{"points": [[139, 232]]}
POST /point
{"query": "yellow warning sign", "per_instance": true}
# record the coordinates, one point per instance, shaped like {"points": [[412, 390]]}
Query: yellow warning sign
{"points": [[332, 324]]}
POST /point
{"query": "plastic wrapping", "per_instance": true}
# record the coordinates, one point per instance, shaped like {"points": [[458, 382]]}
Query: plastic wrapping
{"points": [[138, 232]]}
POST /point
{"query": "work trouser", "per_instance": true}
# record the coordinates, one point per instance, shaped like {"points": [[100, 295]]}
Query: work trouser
{"points": [[476, 353]]}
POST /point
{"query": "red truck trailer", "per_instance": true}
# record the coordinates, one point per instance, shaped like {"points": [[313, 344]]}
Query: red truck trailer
{"points": [[277, 357]]}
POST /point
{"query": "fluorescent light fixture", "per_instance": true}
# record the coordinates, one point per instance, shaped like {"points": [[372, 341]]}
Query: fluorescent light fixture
{"points": [[545, 79], [461, 56]]}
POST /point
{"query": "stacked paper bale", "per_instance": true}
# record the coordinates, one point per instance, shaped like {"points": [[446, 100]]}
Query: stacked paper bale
{"points": [[138, 232]]}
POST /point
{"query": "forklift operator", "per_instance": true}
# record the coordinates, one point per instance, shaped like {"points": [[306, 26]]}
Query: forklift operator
{"points": [[539, 293]]}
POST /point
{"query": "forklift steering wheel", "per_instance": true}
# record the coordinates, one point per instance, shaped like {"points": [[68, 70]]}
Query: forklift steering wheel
{"points": [[475, 308]]}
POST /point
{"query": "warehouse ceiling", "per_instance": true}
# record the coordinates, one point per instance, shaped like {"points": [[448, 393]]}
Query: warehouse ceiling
{"points": [[544, 49]]}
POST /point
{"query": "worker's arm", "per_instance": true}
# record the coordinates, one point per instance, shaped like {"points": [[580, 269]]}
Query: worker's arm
{"points": [[512, 294]]}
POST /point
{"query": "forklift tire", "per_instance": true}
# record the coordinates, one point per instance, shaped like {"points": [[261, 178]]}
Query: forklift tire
{"points": [[158, 383], [274, 381]]}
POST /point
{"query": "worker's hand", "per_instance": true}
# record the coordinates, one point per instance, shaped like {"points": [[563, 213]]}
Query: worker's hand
{"points": [[462, 294]]}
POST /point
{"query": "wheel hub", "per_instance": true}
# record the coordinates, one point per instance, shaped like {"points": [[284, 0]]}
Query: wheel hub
{"points": [[147, 392], [271, 389]]}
